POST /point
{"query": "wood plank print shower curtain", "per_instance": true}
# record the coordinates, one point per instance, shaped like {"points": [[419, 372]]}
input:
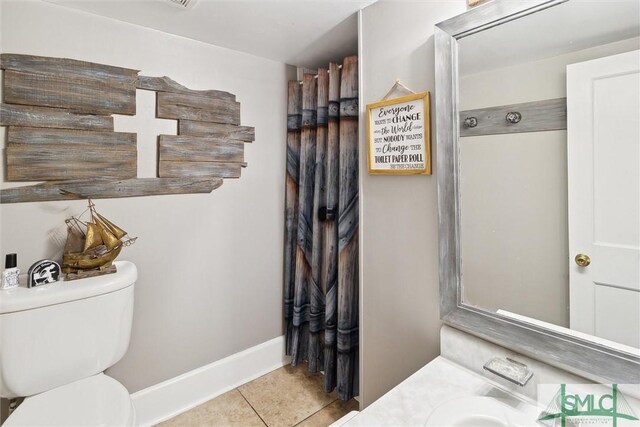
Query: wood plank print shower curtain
{"points": [[321, 226]]}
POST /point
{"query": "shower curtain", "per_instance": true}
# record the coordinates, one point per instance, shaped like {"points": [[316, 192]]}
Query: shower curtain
{"points": [[321, 225]]}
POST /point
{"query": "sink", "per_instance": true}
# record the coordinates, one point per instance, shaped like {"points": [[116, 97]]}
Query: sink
{"points": [[483, 411]]}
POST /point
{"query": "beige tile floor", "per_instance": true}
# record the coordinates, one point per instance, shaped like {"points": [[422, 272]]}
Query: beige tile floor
{"points": [[286, 397]]}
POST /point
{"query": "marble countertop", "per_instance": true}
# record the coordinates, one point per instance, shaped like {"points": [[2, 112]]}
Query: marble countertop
{"points": [[458, 374], [412, 401]]}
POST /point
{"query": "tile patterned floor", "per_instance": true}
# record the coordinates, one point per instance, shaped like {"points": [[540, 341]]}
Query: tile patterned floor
{"points": [[286, 397]]}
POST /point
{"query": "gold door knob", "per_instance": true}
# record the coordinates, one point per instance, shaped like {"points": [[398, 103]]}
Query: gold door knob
{"points": [[583, 260]]}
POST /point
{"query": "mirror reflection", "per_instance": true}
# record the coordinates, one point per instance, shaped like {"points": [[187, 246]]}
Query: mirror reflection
{"points": [[550, 169]]}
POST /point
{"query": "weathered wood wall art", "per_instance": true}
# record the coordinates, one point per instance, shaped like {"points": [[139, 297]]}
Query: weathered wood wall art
{"points": [[60, 131], [46, 154]]}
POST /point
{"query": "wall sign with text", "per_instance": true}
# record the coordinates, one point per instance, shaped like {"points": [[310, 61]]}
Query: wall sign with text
{"points": [[398, 136]]}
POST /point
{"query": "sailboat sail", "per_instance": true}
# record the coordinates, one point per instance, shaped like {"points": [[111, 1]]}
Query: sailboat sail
{"points": [[93, 237], [109, 239], [117, 231]]}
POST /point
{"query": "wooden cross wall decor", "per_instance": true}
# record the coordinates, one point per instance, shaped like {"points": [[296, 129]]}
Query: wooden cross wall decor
{"points": [[58, 114]]}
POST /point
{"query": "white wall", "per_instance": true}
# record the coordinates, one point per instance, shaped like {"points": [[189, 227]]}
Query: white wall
{"points": [[398, 214], [210, 266]]}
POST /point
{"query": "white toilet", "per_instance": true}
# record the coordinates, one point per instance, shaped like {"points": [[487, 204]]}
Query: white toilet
{"points": [[55, 342]]}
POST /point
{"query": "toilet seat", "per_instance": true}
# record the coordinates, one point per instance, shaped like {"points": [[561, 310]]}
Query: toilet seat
{"points": [[95, 401]]}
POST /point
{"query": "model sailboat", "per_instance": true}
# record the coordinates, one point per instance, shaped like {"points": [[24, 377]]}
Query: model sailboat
{"points": [[92, 246]]}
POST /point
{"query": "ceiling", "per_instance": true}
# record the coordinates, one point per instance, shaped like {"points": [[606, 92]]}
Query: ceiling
{"points": [[305, 33]]}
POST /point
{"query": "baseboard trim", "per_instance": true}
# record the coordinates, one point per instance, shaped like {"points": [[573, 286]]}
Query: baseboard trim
{"points": [[172, 397]]}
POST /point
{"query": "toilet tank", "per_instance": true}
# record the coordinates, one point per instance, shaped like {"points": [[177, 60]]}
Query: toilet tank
{"points": [[58, 333]]}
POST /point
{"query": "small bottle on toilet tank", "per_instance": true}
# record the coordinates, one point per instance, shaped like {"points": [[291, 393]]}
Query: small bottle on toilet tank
{"points": [[11, 272]]}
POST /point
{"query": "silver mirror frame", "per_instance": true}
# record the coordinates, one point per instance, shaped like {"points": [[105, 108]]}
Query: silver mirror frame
{"points": [[580, 356]]}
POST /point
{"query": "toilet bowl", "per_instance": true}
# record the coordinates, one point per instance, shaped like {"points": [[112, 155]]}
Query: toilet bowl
{"points": [[56, 340], [98, 400]]}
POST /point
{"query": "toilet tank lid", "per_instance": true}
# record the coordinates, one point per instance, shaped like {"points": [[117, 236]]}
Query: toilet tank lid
{"points": [[23, 298]]}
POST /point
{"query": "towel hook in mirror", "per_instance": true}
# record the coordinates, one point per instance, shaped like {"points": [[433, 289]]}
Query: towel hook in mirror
{"points": [[513, 117], [471, 122]]}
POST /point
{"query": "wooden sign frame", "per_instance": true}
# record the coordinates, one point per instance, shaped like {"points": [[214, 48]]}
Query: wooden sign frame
{"points": [[474, 3], [405, 147]]}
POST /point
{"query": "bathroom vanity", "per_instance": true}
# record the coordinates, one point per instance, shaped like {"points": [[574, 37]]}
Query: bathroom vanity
{"points": [[454, 389]]}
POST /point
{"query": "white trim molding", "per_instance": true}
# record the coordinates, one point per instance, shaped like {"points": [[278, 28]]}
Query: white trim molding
{"points": [[172, 397]]}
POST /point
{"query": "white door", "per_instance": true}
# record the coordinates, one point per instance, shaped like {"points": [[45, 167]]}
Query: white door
{"points": [[603, 130]]}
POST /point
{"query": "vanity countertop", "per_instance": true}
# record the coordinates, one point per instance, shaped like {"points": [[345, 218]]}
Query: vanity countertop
{"points": [[458, 374], [412, 401]]}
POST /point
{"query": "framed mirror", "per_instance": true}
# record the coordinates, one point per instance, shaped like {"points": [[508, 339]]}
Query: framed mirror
{"points": [[538, 164]]}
